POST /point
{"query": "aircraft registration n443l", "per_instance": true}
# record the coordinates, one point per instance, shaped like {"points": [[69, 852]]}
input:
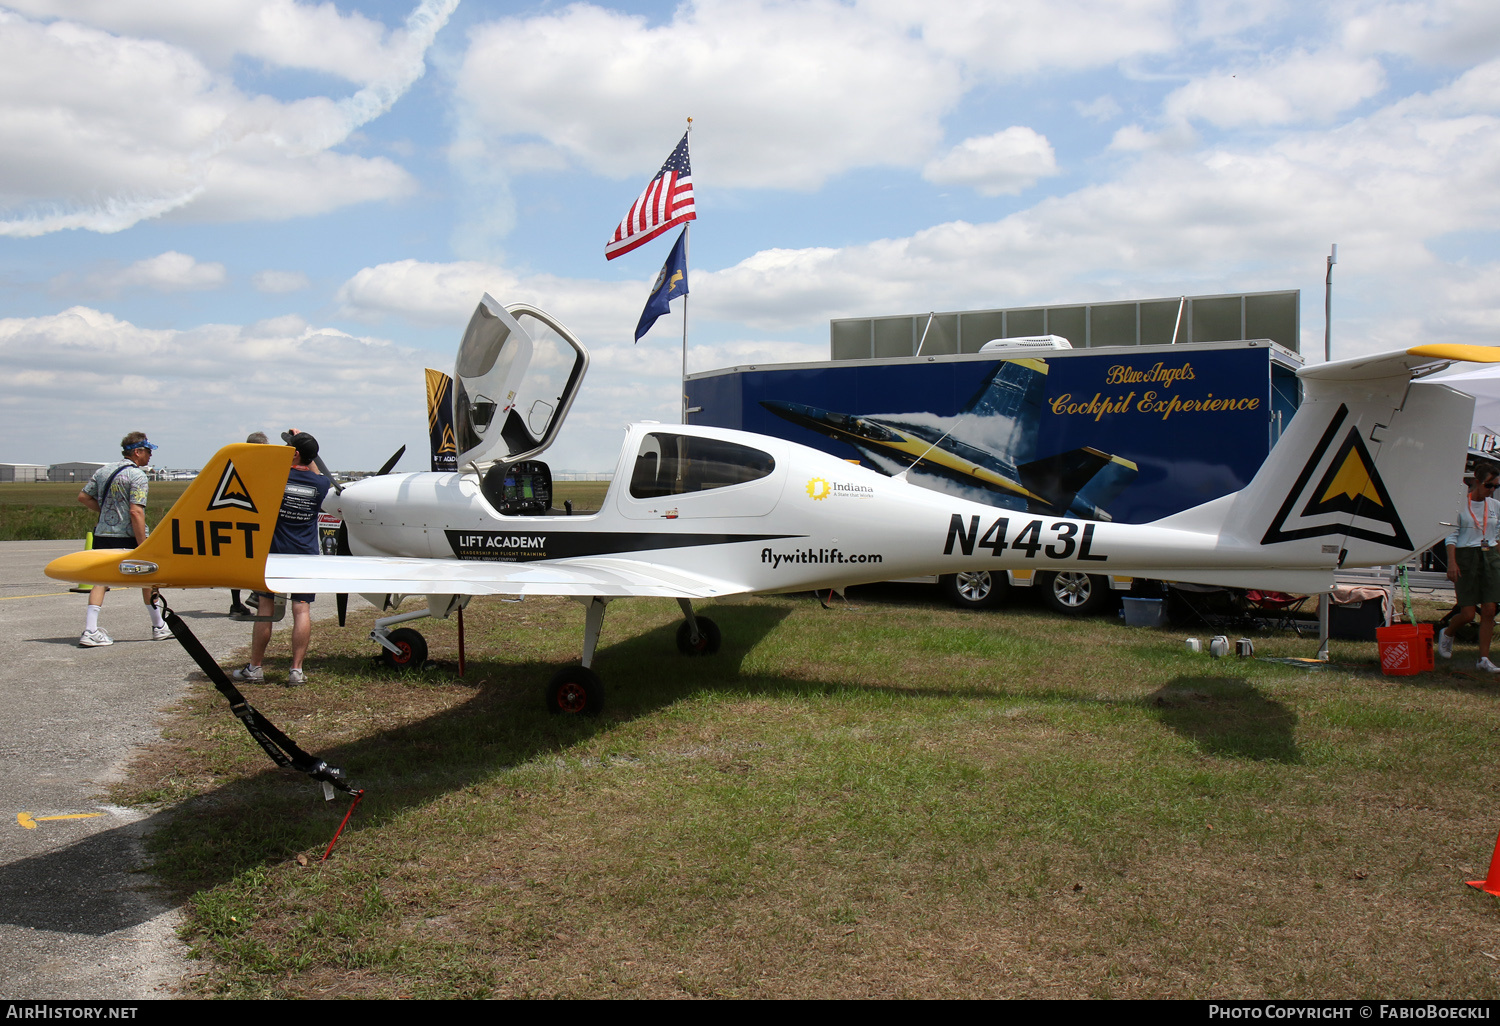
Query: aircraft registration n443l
{"points": [[1364, 475]]}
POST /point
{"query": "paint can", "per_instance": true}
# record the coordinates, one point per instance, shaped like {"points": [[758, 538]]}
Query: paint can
{"points": [[1194, 645], [1219, 646], [1244, 648]]}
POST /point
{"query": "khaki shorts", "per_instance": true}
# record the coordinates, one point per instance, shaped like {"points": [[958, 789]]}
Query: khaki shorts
{"points": [[1478, 576]]}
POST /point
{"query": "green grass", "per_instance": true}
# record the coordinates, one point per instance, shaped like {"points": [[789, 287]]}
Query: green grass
{"points": [[49, 511], [880, 799], [46, 511]]}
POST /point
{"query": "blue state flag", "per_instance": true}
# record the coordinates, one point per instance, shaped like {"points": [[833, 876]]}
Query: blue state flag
{"points": [[670, 283]]}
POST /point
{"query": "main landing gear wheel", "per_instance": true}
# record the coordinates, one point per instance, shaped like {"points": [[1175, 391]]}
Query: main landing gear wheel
{"points": [[413, 650], [975, 589], [1077, 594], [708, 637], [575, 691]]}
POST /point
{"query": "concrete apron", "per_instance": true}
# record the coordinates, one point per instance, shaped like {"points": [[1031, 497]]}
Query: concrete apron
{"points": [[76, 920]]}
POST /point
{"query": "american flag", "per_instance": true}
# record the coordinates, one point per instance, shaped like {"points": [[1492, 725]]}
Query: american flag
{"points": [[666, 203]]}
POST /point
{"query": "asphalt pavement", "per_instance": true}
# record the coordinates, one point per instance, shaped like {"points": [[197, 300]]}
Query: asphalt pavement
{"points": [[77, 918]]}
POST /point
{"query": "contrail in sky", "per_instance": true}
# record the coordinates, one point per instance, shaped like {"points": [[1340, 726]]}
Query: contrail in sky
{"points": [[300, 129]]}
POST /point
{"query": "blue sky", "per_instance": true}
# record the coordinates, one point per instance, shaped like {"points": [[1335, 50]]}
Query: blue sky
{"points": [[256, 214]]}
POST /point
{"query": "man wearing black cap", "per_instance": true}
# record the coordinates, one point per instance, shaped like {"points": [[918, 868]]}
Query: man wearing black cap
{"points": [[117, 496], [297, 533]]}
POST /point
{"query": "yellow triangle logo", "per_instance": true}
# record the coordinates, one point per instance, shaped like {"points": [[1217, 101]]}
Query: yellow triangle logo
{"points": [[1352, 480], [449, 445]]}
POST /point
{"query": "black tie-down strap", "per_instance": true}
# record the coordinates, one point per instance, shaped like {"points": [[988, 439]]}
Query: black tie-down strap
{"points": [[282, 749]]}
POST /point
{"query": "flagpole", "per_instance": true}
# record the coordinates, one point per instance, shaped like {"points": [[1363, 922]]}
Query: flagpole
{"points": [[687, 245]]}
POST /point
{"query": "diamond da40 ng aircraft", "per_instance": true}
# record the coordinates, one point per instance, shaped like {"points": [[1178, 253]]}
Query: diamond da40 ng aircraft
{"points": [[1364, 475]]}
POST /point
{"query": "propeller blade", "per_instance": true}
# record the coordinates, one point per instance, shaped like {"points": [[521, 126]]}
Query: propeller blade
{"points": [[390, 463], [341, 600], [338, 489]]}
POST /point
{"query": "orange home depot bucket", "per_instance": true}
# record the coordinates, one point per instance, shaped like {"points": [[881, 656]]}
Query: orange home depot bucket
{"points": [[1402, 649], [1424, 639]]}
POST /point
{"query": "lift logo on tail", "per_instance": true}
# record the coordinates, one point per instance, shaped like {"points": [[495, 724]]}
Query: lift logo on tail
{"points": [[231, 492], [1348, 498]]}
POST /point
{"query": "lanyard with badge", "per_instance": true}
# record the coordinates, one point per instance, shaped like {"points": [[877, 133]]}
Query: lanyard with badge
{"points": [[1484, 541]]}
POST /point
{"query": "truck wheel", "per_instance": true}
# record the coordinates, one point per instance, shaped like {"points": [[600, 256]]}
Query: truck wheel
{"points": [[1077, 594], [975, 589]]}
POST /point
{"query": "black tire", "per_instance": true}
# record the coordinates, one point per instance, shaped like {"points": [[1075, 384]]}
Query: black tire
{"points": [[1074, 593], [413, 650], [975, 589], [575, 691], [708, 637]]}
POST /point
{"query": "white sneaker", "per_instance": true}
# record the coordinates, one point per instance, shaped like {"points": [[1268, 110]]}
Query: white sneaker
{"points": [[161, 633], [94, 639], [1487, 666], [295, 677], [253, 674], [1445, 644]]}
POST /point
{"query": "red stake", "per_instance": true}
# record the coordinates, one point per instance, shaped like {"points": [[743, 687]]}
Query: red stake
{"points": [[352, 806]]}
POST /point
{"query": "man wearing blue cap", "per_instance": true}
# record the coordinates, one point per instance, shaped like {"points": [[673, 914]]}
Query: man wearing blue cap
{"points": [[117, 494]]}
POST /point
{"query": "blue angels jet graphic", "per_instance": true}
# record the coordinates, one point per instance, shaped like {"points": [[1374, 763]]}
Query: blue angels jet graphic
{"points": [[989, 445]]}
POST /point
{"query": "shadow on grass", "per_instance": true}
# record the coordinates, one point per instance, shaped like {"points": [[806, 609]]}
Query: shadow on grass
{"points": [[1227, 716], [273, 815]]}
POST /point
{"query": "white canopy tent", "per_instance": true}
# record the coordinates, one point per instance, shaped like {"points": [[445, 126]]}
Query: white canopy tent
{"points": [[1484, 385]]}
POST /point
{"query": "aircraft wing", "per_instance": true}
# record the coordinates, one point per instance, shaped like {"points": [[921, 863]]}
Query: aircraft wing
{"points": [[609, 577]]}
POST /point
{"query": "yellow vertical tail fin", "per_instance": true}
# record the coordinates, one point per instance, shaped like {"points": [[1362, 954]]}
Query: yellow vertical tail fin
{"points": [[216, 536]]}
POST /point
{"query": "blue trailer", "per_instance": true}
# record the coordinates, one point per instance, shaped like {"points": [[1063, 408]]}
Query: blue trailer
{"points": [[1127, 434]]}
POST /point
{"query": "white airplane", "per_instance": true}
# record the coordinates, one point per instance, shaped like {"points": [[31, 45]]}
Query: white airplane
{"points": [[1365, 474]]}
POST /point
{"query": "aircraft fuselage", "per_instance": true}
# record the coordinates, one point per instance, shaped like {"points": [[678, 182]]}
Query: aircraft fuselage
{"points": [[814, 521]]}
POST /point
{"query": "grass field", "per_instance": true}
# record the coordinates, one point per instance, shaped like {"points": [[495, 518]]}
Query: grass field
{"points": [[885, 798], [50, 510]]}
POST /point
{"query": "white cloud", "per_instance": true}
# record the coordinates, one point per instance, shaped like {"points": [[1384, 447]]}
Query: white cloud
{"points": [[1438, 31], [1282, 89], [275, 282], [1007, 40], [783, 95], [280, 32], [1132, 137], [102, 131], [167, 272], [995, 165], [446, 294], [195, 390], [1100, 109]]}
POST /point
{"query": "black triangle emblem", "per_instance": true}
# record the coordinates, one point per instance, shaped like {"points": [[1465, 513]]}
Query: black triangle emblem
{"points": [[1349, 499], [232, 492]]}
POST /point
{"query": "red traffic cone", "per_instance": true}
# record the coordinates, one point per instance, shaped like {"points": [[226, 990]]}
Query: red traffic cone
{"points": [[1491, 883]]}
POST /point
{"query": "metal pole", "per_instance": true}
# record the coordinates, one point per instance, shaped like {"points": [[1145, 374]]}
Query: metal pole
{"points": [[925, 330], [1333, 258], [686, 246]]}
